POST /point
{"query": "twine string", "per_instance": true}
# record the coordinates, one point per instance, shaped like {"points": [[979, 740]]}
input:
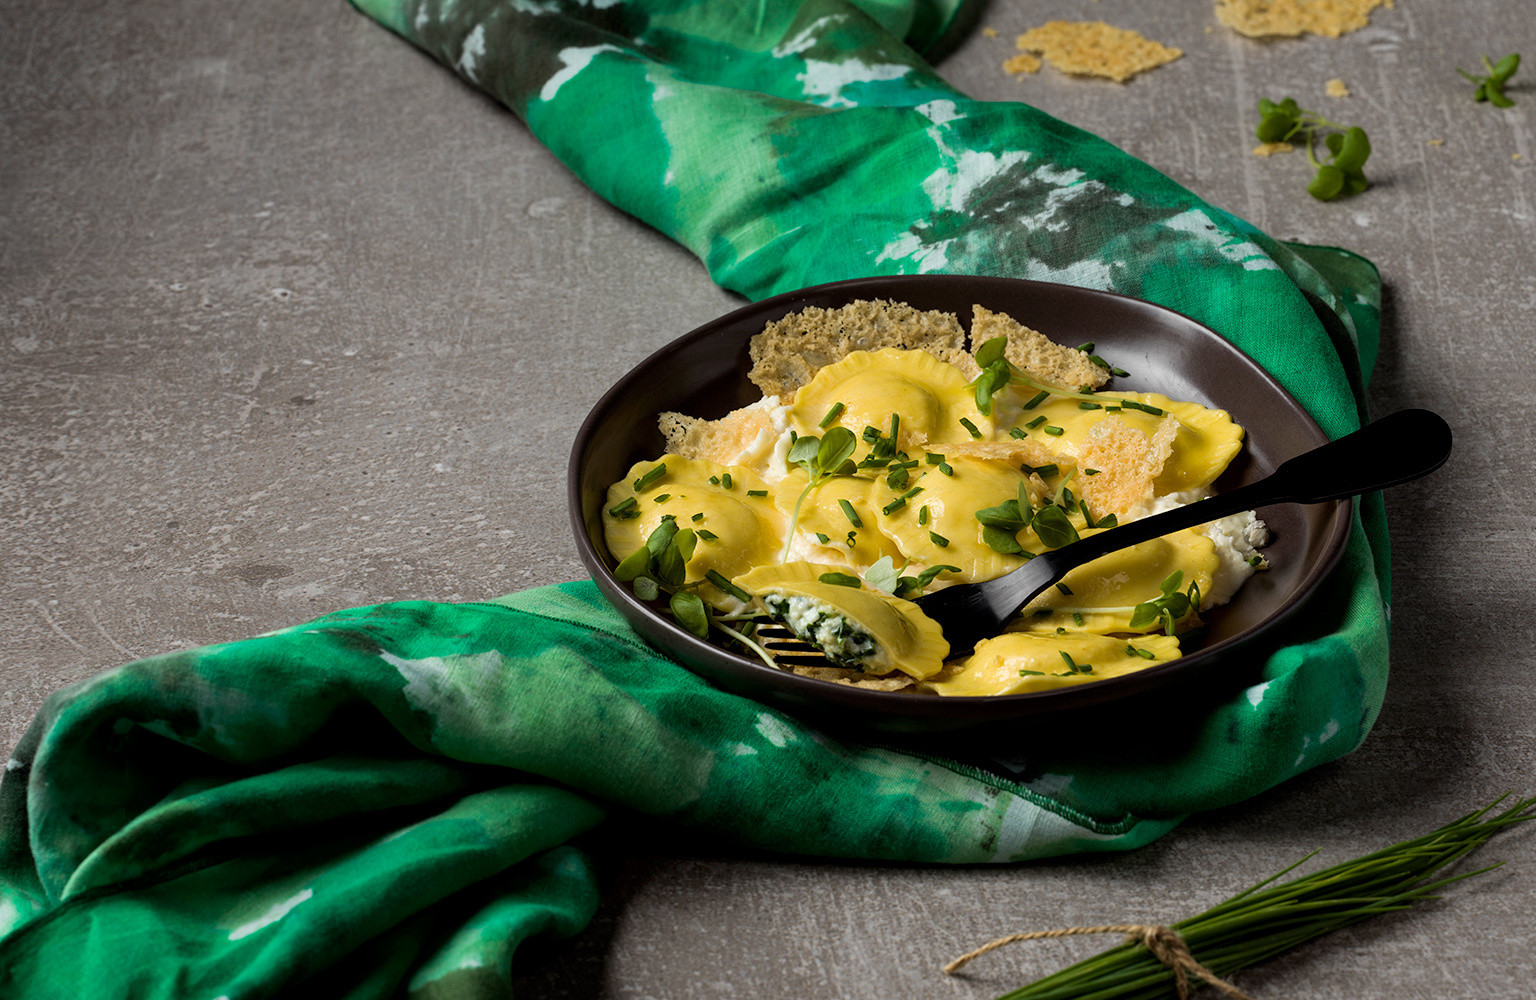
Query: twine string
{"points": [[1164, 944]]}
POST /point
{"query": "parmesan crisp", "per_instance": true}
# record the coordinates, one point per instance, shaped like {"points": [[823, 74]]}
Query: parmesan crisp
{"points": [[1291, 18], [1093, 48]]}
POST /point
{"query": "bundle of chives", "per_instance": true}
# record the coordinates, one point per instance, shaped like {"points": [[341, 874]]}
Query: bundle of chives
{"points": [[1267, 919]]}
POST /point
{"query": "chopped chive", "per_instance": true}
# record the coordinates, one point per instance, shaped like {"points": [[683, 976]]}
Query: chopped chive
{"points": [[1017, 432], [1037, 399], [900, 501], [1255, 561], [970, 428], [852, 537], [823, 538], [933, 459], [1088, 405], [922, 516], [725, 480], [1119, 371], [662, 497], [1031, 673], [706, 534], [946, 469], [1053, 430], [1048, 470], [1098, 361], [716, 578], [1064, 589], [715, 480], [1036, 422], [627, 508], [1061, 630], [839, 579], [1131, 404], [1077, 619], [1090, 472], [938, 539], [1113, 409], [851, 514], [1087, 514], [757, 493], [669, 517], [871, 434], [832, 414], [697, 517], [897, 479], [650, 477], [1086, 348]]}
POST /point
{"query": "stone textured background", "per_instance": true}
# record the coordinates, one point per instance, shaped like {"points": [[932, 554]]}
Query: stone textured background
{"points": [[290, 320]]}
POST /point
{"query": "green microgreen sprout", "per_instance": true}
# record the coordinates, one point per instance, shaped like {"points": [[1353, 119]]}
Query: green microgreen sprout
{"points": [[884, 575], [1170, 607], [997, 373], [1000, 525], [822, 458], [1348, 146], [660, 566], [1490, 88]]}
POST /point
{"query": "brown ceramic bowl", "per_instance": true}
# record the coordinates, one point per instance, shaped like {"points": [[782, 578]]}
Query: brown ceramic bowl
{"points": [[704, 374]]}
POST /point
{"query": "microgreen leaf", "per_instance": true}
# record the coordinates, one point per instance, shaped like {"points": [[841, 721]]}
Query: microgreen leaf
{"points": [[632, 565], [1054, 528], [882, 575], [1002, 540], [840, 580], [1490, 88], [1348, 147], [689, 610]]}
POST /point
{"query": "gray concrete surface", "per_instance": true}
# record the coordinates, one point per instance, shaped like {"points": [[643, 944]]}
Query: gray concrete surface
{"points": [[283, 315]]}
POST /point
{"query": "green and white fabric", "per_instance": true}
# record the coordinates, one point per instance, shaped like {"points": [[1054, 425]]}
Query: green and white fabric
{"points": [[390, 799]]}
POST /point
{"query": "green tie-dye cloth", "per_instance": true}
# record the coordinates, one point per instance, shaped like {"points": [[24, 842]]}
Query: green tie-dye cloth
{"points": [[392, 798]]}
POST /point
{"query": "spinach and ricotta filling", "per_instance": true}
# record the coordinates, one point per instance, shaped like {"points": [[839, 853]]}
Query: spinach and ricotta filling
{"points": [[823, 626]]}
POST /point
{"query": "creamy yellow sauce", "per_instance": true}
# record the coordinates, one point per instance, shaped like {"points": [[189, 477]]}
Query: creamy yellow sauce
{"points": [[861, 526]]}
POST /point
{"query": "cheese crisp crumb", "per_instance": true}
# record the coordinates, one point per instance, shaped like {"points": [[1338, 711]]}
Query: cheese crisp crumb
{"points": [[1271, 148], [989, 32], [1022, 63], [1093, 48], [1435, 142], [1336, 88], [1261, 18]]}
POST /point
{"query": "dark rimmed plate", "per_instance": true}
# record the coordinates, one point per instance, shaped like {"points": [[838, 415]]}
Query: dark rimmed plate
{"points": [[704, 374]]}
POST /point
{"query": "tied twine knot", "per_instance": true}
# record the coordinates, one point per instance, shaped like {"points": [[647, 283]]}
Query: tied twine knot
{"points": [[1163, 942]]}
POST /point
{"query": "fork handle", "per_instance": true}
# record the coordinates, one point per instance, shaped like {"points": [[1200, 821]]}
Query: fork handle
{"points": [[1395, 449]]}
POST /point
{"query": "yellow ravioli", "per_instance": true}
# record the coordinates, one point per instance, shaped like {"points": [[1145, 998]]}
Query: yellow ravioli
{"points": [[1206, 443], [821, 514], [952, 502], [860, 626], [749, 530], [1016, 662], [1119, 582], [929, 396]]}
